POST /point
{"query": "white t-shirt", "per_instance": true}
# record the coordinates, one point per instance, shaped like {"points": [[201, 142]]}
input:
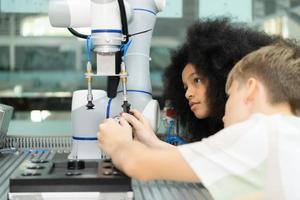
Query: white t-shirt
{"points": [[258, 156]]}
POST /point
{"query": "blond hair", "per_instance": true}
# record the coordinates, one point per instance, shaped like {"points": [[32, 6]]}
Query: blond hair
{"points": [[277, 67]]}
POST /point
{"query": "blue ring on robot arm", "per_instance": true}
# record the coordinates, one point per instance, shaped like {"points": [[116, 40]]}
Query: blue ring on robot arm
{"points": [[106, 31], [138, 91], [84, 138], [145, 10]]}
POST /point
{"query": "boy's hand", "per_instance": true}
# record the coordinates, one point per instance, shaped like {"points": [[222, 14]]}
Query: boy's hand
{"points": [[136, 159], [142, 129], [112, 135]]}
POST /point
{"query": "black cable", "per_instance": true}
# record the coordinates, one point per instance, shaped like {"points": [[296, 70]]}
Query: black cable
{"points": [[123, 20], [75, 33], [130, 35]]}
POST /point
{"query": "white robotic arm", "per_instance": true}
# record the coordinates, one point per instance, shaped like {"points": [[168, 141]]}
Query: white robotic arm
{"points": [[108, 34]]}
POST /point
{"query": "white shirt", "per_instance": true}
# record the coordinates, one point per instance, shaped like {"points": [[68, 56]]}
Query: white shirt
{"points": [[259, 155]]}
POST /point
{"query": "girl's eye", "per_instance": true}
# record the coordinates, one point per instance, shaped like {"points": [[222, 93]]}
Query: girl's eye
{"points": [[197, 80]]}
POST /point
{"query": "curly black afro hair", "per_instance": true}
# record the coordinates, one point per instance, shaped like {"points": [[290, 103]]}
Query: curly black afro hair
{"points": [[213, 47]]}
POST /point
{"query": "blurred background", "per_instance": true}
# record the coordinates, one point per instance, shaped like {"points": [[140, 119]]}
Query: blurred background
{"points": [[40, 66]]}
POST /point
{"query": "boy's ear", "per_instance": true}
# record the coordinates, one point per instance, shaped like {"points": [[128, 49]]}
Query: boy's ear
{"points": [[251, 90]]}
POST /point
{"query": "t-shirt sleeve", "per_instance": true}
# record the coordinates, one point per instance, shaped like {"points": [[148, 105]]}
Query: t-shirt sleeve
{"points": [[230, 152]]}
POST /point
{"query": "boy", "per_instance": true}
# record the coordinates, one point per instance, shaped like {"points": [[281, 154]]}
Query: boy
{"points": [[255, 156]]}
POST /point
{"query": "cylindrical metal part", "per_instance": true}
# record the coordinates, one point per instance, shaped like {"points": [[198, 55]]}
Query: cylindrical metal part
{"points": [[124, 80]]}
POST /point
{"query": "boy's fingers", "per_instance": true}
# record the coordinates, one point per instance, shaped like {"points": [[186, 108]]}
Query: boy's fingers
{"points": [[132, 110], [124, 123], [107, 122], [131, 119], [139, 116], [105, 127]]}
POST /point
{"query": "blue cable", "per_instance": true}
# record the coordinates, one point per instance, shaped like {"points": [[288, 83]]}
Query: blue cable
{"points": [[124, 48], [88, 46]]}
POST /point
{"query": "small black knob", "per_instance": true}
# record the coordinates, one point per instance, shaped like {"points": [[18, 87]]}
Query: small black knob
{"points": [[80, 164], [126, 106], [71, 164], [38, 161], [90, 105]]}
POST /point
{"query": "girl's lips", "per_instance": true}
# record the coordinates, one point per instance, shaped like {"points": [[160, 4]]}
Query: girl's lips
{"points": [[193, 105]]}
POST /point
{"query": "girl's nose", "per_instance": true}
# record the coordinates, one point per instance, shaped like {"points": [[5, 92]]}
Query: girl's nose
{"points": [[188, 93]]}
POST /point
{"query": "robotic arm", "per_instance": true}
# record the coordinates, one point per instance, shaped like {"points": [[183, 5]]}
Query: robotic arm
{"points": [[114, 24]]}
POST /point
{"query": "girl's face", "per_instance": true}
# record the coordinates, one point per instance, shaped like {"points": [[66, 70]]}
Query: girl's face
{"points": [[195, 91]]}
